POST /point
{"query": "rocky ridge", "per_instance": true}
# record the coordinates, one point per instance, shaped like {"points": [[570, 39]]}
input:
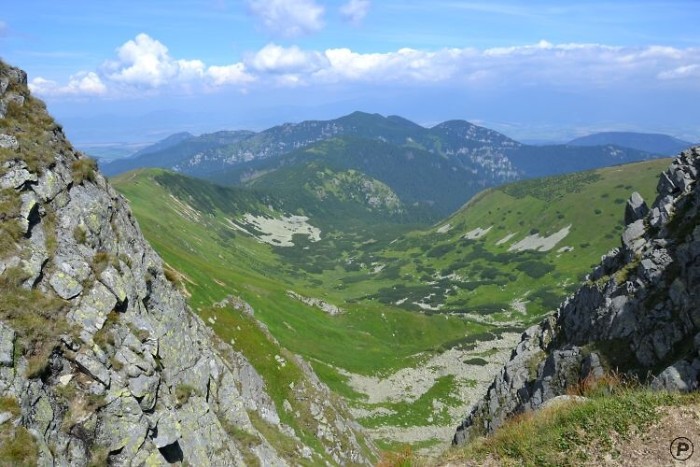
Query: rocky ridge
{"points": [[101, 360], [638, 312]]}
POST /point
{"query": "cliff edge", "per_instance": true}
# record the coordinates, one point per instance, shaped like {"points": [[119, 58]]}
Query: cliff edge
{"points": [[101, 361], [638, 313]]}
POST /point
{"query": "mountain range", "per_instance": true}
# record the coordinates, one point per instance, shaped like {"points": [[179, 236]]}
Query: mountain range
{"points": [[432, 171], [651, 142]]}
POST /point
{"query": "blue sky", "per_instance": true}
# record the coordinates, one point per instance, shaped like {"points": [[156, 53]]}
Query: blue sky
{"points": [[140, 70]]}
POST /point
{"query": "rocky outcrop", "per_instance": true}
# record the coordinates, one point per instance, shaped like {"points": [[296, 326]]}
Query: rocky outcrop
{"points": [[638, 312], [98, 351]]}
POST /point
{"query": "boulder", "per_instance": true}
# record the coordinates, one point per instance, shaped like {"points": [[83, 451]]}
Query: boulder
{"points": [[635, 209]]}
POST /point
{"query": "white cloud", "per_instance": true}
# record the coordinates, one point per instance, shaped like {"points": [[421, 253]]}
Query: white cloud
{"points": [[145, 61], [686, 71], [276, 59], [88, 83], [235, 74], [3, 29], [145, 64], [403, 65], [289, 18], [83, 84], [355, 11]]}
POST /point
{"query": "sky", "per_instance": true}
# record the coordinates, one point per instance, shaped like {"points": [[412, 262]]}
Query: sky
{"points": [[139, 70]]}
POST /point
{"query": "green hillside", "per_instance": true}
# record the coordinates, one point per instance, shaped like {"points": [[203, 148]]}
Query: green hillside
{"points": [[480, 261], [404, 295]]}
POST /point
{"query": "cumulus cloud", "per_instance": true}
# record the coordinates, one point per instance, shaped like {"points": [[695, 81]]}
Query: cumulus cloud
{"points": [[235, 74], [355, 11], [276, 59], [83, 84], [141, 64], [288, 18], [145, 64]]}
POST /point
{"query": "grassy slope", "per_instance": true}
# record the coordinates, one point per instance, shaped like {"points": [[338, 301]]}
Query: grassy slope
{"points": [[491, 277], [613, 426], [216, 264], [344, 269]]}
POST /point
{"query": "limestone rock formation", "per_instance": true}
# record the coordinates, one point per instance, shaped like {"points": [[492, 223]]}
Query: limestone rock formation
{"points": [[101, 361], [638, 312]]}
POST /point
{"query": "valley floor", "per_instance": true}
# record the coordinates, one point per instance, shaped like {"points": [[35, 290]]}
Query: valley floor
{"points": [[471, 371]]}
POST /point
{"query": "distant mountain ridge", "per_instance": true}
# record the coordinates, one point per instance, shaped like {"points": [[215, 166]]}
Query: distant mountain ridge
{"points": [[440, 167], [650, 142]]}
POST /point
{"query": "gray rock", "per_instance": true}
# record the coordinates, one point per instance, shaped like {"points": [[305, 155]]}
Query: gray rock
{"points": [[65, 285], [145, 389], [92, 311], [681, 376], [651, 316], [167, 430], [27, 210], [123, 426], [635, 209], [114, 282], [7, 345], [563, 400], [634, 231], [16, 178], [93, 367], [5, 416], [49, 185], [8, 142]]}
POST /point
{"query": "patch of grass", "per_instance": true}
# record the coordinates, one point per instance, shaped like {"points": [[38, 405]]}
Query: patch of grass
{"points": [[84, 168], [182, 394], [284, 445], [421, 410], [10, 229], [80, 234], [402, 458], [101, 260], [17, 447], [559, 435], [105, 337], [37, 318], [9, 404], [245, 441]]}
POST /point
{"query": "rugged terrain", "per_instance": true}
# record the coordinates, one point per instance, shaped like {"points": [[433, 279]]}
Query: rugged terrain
{"points": [[635, 317], [430, 313], [101, 359]]}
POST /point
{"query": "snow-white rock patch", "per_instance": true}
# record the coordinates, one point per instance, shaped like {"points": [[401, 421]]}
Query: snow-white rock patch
{"points": [[538, 243], [278, 231], [444, 229], [505, 239], [476, 233]]}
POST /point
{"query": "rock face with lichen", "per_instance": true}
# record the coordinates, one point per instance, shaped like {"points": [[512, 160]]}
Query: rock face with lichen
{"points": [[638, 312], [101, 361]]}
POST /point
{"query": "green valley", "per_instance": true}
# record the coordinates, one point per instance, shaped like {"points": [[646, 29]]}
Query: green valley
{"points": [[420, 306]]}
